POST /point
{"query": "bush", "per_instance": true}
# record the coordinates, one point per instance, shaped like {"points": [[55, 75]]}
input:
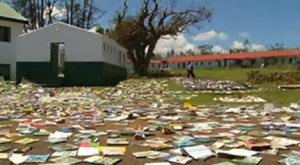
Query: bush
{"points": [[285, 77], [158, 74]]}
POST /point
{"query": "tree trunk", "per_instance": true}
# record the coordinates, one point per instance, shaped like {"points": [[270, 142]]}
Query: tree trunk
{"points": [[49, 5], [72, 12], [141, 67], [140, 63], [83, 19], [90, 13], [42, 14], [31, 15], [38, 13]]}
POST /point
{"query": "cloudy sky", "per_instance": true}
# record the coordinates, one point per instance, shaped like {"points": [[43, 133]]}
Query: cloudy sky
{"points": [[263, 22]]}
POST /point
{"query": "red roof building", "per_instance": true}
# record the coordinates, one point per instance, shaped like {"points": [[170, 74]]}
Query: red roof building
{"points": [[235, 56], [253, 59]]}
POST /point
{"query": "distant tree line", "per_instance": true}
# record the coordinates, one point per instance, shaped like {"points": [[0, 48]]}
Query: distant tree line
{"points": [[80, 13]]}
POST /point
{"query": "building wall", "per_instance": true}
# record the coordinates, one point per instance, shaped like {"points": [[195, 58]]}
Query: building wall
{"points": [[86, 63], [80, 45], [113, 53], [246, 63], [7, 49], [204, 64], [75, 74], [283, 61]]}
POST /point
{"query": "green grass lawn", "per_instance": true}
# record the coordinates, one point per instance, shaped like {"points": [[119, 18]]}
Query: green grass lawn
{"points": [[277, 97]]}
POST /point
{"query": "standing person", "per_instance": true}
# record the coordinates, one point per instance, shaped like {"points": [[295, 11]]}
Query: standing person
{"points": [[190, 70]]}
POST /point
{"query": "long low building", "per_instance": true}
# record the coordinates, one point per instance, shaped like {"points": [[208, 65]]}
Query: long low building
{"points": [[244, 60]]}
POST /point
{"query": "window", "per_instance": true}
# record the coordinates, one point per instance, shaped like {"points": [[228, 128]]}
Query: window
{"points": [[120, 59], [124, 59], [209, 63], [178, 65], [201, 63], [291, 61], [5, 34], [61, 55]]}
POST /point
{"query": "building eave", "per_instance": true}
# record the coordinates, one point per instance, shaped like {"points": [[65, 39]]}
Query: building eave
{"points": [[13, 20]]}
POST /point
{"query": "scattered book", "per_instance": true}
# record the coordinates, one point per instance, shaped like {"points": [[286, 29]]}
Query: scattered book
{"points": [[64, 147], [37, 158], [102, 160], [235, 153], [66, 160], [112, 151], [248, 160], [180, 159], [26, 141], [117, 141], [145, 154], [3, 156], [199, 152]]}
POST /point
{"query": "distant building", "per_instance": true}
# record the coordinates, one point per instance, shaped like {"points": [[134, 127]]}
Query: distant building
{"points": [[58, 54], [11, 26], [242, 60]]}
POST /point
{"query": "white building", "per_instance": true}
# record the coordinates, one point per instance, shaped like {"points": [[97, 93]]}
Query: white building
{"points": [[62, 54], [11, 26]]}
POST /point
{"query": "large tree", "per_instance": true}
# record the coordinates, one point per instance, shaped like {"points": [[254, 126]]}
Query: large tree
{"points": [[139, 33]]}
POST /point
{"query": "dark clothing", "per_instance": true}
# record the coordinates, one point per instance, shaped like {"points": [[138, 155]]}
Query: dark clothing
{"points": [[190, 73]]}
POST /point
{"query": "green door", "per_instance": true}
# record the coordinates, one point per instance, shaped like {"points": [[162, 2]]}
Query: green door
{"points": [[54, 58]]}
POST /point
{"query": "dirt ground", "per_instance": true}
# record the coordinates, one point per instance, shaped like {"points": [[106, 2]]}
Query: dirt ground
{"points": [[42, 147]]}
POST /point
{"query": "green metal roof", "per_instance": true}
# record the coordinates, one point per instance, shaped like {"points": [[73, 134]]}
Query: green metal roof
{"points": [[8, 13]]}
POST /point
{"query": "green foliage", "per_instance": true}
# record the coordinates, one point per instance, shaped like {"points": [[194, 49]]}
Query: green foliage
{"points": [[158, 74], [285, 77], [276, 46], [100, 30], [205, 49]]}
